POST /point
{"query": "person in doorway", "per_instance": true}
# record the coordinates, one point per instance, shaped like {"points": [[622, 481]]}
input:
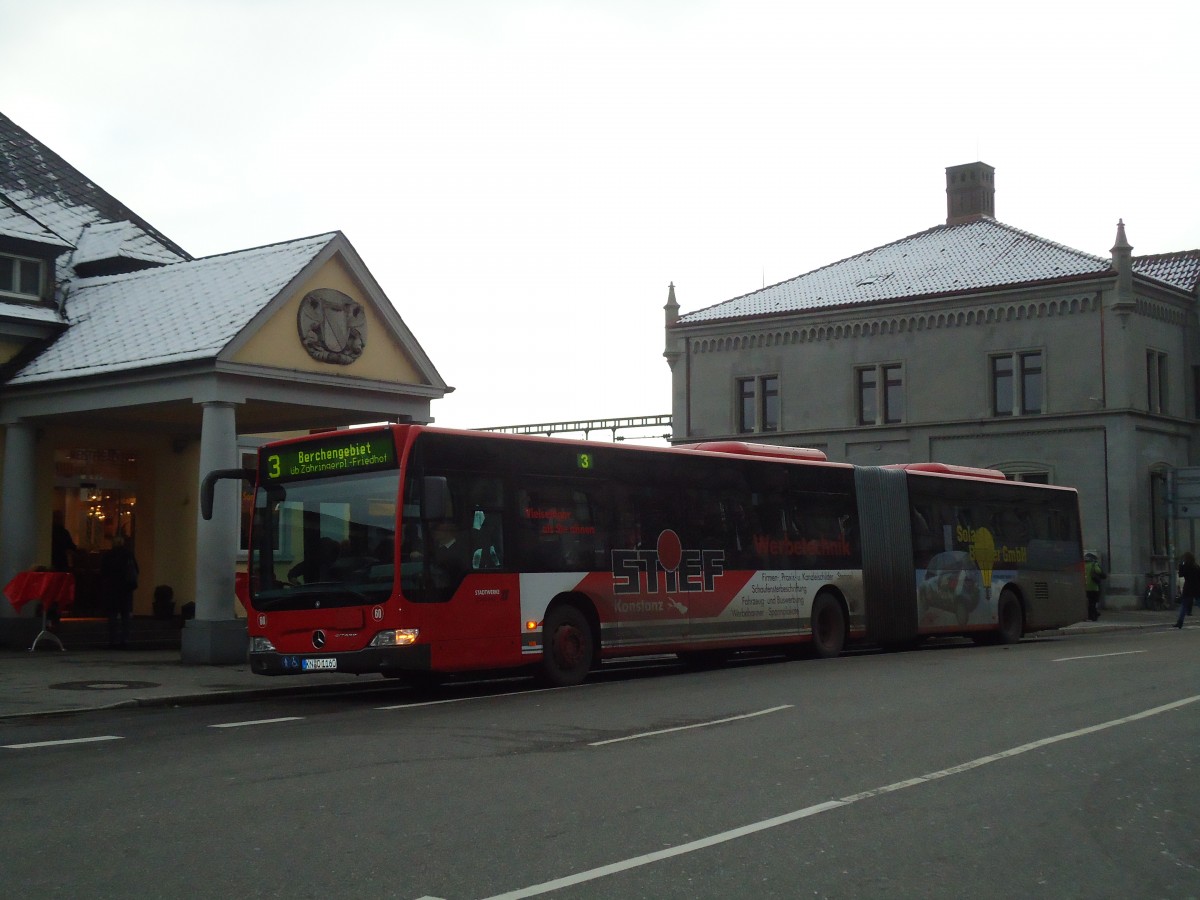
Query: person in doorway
{"points": [[62, 545], [118, 580], [1093, 574], [1190, 573]]}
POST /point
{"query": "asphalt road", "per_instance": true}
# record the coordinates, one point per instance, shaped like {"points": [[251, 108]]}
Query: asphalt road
{"points": [[1064, 767]]}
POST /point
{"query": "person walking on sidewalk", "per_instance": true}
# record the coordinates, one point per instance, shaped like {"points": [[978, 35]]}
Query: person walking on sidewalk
{"points": [[1190, 573], [1093, 574]]}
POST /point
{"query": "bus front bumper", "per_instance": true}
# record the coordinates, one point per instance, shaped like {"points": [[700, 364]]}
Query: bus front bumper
{"points": [[372, 660]]}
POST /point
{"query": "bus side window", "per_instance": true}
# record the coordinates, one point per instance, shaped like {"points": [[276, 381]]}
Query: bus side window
{"points": [[540, 517], [704, 523], [924, 538], [770, 531], [485, 499], [487, 541], [561, 526]]}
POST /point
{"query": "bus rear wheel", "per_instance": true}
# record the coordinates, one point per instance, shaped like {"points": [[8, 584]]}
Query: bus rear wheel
{"points": [[828, 626], [1012, 618], [568, 646]]}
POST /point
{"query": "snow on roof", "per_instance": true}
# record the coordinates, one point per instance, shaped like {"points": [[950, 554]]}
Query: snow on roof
{"points": [[107, 240], [26, 312], [49, 190], [17, 224], [1181, 270], [177, 313], [72, 223], [971, 256]]}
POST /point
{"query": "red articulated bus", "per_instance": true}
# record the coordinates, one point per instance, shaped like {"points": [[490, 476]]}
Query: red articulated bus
{"points": [[407, 550]]}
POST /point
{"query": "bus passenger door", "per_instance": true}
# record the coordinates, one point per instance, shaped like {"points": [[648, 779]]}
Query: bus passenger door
{"points": [[458, 573]]}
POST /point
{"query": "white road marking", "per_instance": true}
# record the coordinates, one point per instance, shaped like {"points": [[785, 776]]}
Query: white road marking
{"points": [[644, 734], [257, 722], [1096, 656], [754, 827], [467, 699], [86, 740]]}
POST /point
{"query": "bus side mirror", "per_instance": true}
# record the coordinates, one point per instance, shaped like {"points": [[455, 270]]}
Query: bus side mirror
{"points": [[436, 501], [209, 484]]}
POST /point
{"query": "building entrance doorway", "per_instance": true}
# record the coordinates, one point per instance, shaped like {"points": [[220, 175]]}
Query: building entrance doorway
{"points": [[95, 492]]}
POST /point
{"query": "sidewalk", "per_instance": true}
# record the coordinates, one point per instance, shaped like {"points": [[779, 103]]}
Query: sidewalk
{"points": [[50, 681], [47, 682]]}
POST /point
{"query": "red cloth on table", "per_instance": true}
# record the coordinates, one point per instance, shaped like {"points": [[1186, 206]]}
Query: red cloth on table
{"points": [[48, 587]]}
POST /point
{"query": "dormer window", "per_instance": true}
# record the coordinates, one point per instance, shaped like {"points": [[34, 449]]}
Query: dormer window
{"points": [[21, 277]]}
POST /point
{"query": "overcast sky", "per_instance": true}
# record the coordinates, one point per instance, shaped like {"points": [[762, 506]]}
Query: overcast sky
{"points": [[525, 179]]}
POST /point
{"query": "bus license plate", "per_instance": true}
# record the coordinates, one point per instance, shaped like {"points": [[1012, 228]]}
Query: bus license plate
{"points": [[313, 665]]}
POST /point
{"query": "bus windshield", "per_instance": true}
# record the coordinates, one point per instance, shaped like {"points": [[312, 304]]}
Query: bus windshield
{"points": [[324, 542]]}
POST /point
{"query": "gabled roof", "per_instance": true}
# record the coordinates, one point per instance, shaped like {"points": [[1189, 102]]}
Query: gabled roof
{"points": [[59, 200], [972, 256], [170, 314]]}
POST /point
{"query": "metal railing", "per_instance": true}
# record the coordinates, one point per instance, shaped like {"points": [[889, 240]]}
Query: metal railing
{"points": [[587, 426]]}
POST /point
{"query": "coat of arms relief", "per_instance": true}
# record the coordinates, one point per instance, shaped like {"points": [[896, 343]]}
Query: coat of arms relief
{"points": [[332, 326]]}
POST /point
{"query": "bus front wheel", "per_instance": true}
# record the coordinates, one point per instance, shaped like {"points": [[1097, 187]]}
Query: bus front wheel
{"points": [[828, 626], [568, 646]]}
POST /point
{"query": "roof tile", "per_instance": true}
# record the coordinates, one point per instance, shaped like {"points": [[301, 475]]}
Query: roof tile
{"points": [[1181, 270]]}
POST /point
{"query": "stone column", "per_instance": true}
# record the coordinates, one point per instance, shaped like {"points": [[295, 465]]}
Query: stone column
{"points": [[18, 514], [215, 636]]}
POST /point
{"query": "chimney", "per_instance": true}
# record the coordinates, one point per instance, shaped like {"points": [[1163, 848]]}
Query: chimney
{"points": [[970, 192]]}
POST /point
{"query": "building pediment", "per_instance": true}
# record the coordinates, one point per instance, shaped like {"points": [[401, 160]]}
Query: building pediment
{"points": [[238, 308], [298, 334], [333, 320]]}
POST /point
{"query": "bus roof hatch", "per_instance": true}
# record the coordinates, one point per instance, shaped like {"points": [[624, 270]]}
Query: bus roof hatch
{"points": [[742, 448], [937, 468]]}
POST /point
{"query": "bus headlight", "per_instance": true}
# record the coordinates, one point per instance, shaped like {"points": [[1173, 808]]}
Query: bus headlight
{"points": [[396, 637], [261, 645]]}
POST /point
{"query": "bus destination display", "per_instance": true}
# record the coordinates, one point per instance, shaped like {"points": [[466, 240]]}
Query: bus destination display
{"points": [[345, 453]]}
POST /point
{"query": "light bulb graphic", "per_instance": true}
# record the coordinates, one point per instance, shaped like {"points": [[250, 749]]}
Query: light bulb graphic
{"points": [[983, 551]]}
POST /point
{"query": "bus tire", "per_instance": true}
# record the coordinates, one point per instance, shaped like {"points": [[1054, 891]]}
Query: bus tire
{"points": [[568, 646], [828, 626], [1012, 618]]}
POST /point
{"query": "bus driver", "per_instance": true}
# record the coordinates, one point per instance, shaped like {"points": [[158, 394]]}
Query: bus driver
{"points": [[451, 554]]}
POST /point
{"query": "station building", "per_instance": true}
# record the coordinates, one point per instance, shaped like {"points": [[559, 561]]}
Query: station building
{"points": [[973, 343], [129, 369]]}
